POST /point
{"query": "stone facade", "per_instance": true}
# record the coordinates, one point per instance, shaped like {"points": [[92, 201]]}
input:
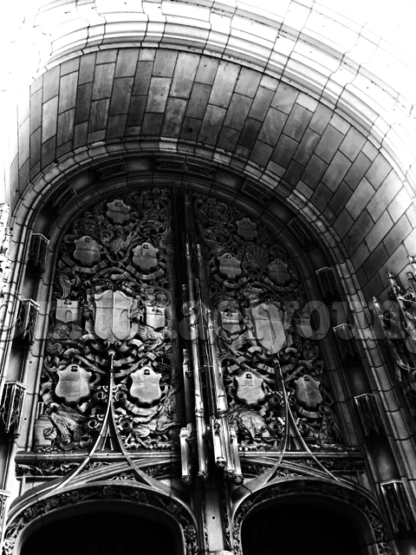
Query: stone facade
{"points": [[257, 164]]}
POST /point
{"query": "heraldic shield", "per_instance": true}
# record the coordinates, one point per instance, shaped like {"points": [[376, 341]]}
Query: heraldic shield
{"points": [[267, 320], [112, 315], [307, 392], [145, 257], [146, 386], [87, 251], [250, 388], [73, 384]]}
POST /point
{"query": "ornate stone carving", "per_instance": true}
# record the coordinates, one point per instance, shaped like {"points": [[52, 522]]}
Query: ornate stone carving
{"points": [[103, 493], [11, 405], [38, 251], [26, 322], [112, 337], [258, 300], [398, 507], [321, 488]]}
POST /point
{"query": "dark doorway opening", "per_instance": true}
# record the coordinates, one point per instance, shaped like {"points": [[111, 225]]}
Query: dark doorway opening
{"points": [[101, 534], [299, 530]]}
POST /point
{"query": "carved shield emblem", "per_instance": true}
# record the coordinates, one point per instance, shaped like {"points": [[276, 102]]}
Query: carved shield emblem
{"points": [[68, 311], [230, 266], [155, 317], [87, 251], [112, 315], [145, 257], [267, 320], [145, 386], [247, 229], [249, 388], [230, 321], [277, 272], [307, 392], [73, 383], [118, 212]]}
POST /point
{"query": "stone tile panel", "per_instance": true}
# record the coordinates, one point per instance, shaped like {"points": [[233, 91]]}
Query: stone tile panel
{"points": [[68, 91], [184, 76], [126, 62], [103, 81], [224, 84], [120, 98], [297, 122]]}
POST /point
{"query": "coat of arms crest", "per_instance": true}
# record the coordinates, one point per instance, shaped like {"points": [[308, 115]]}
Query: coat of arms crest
{"points": [[112, 315], [118, 212], [73, 384], [267, 320], [229, 265], [145, 257], [250, 388], [145, 387], [87, 251], [307, 392]]}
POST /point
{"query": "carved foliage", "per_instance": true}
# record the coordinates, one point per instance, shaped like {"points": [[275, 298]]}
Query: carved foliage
{"points": [[258, 299], [113, 299]]}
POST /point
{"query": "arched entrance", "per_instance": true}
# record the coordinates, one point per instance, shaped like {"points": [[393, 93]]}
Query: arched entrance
{"points": [[298, 529], [100, 533]]}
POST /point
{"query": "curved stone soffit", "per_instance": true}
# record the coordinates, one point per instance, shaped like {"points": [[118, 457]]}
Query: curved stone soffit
{"points": [[144, 498], [331, 491], [351, 70]]}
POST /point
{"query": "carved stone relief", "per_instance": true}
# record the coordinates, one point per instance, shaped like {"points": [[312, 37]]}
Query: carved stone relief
{"points": [[112, 339], [262, 340]]}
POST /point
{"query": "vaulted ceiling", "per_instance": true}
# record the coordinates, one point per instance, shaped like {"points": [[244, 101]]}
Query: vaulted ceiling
{"points": [[283, 113]]}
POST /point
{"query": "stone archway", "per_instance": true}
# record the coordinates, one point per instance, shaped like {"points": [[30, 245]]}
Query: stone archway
{"points": [[96, 498], [360, 510], [101, 533]]}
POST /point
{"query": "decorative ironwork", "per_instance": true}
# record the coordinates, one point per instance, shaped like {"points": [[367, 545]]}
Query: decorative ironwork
{"points": [[5, 238], [346, 344], [257, 191], [301, 233], [26, 321], [11, 405], [396, 321], [38, 251], [61, 199], [106, 171], [327, 283], [369, 415], [398, 507]]}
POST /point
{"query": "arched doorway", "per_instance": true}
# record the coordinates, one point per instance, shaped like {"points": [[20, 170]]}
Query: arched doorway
{"points": [[299, 529], [100, 533]]}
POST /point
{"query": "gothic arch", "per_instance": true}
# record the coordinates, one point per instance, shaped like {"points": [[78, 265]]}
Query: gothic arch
{"points": [[40, 510], [357, 506]]}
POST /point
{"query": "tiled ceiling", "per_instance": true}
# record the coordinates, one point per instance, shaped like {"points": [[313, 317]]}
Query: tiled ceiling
{"points": [[266, 130]]}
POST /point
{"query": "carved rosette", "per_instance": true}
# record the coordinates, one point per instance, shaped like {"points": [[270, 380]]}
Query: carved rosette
{"points": [[263, 341], [112, 337]]}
